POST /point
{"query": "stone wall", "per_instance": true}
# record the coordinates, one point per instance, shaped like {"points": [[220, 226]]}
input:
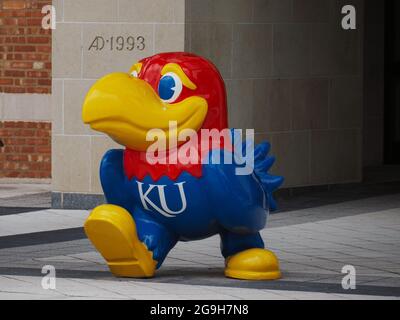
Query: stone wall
{"points": [[291, 72], [294, 75]]}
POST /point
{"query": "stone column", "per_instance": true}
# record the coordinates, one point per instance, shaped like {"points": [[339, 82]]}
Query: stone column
{"points": [[93, 38]]}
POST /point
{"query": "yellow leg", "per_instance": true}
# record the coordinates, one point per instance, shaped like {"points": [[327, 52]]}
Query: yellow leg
{"points": [[112, 231], [253, 264]]}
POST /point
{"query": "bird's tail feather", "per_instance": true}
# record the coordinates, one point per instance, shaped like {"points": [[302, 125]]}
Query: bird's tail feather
{"points": [[262, 163]]}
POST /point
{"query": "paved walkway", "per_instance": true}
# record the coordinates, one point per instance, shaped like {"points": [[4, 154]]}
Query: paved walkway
{"points": [[315, 235]]}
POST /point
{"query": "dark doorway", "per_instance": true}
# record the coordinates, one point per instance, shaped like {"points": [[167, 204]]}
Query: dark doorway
{"points": [[392, 82]]}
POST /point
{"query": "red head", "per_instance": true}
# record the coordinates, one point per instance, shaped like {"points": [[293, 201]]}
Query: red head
{"points": [[206, 77], [176, 86]]}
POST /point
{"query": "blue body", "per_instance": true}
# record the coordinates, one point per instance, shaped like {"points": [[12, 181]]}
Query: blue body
{"points": [[190, 208]]}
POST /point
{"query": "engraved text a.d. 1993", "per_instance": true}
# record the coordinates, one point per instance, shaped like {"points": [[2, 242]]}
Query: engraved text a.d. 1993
{"points": [[118, 43]]}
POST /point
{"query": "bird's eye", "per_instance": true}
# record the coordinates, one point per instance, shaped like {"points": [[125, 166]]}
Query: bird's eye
{"points": [[134, 74], [170, 87]]}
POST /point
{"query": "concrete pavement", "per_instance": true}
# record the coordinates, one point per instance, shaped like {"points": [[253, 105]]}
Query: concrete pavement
{"points": [[315, 235]]}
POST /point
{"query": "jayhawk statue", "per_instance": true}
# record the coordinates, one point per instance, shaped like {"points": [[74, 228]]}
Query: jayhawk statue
{"points": [[152, 206]]}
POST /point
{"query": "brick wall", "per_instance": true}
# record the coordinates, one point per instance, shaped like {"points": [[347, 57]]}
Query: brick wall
{"points": [[25, 48], [27, 149], [25, 82]]}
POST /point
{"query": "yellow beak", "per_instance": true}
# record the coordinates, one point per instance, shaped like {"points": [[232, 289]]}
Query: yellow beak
{"points": [[127, 108]]}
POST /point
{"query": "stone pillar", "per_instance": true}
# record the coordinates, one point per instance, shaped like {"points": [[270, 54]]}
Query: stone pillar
{"points": [[93, 38]]}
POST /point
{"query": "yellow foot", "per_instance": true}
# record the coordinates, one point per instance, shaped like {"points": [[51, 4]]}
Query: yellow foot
{"points": [[112, 231], [253, 264]]}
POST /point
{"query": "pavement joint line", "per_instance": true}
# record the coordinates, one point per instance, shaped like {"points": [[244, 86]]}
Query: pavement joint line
{"points": [[96, 286], [5, 210], [41, 237]]}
